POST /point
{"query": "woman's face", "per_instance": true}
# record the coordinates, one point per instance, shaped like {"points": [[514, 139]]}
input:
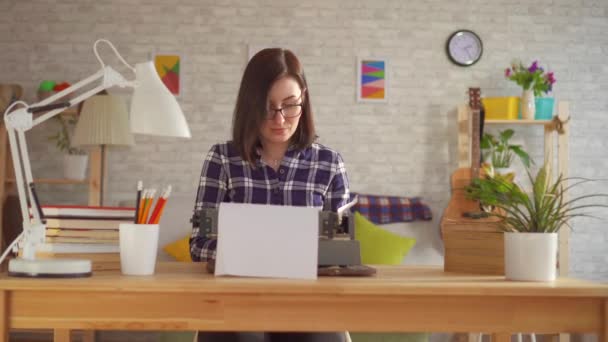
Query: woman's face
{"points": [[287, 95]]}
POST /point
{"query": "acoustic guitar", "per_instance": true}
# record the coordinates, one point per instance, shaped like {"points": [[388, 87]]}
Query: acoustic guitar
{"points": [[464, 176]]}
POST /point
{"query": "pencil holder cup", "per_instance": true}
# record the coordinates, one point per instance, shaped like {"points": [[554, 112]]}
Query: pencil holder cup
{"points": [[138, 248]]}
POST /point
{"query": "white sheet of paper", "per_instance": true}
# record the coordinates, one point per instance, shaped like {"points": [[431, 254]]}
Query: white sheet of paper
{"points": [[258, 240]]}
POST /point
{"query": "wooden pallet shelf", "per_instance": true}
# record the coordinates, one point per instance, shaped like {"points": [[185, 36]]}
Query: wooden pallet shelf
{"points": [[476, 246], [519, 122]]}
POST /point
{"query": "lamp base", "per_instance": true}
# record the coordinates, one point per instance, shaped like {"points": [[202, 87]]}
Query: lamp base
{"points": [[50, 268]]}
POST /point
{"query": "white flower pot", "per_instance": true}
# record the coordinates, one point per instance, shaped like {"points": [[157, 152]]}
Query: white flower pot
{"points": [[531, 256], [505, 171], [75, 166]]}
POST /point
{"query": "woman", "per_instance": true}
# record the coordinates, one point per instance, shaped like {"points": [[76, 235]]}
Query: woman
{"points": [[272, 159]]}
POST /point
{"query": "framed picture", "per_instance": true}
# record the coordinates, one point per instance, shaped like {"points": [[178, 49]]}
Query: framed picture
{"points": [[169, 68], [372, 80]]}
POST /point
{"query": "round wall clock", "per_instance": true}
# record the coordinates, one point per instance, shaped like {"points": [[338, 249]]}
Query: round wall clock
{"points": [[464, 47]]}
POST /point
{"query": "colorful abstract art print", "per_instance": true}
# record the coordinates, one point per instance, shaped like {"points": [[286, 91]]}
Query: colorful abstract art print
{"points": [[168, 68], [372, 80]]}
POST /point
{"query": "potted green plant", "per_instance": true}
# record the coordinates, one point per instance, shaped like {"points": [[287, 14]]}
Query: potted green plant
{"points": [[499, 152], [74, 160], [531, 220]]}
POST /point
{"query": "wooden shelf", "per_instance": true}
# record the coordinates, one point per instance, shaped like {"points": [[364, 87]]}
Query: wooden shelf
{"points": [[54, 181], [519, 122], [556, 134]]}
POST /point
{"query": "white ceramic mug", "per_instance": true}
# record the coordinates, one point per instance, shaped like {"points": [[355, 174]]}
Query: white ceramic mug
{"points": [[138, 248]]}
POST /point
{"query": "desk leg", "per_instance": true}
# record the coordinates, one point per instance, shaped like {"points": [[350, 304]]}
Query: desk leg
{"points": [[88, 336], [474, 337], [604, 333], [61, 335], [4, 315], [501, 337]]}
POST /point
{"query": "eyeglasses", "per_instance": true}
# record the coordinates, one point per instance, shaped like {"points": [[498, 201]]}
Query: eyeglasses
{"points": [[288, 111]]}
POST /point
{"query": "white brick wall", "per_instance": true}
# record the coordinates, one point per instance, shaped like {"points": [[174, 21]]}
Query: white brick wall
{"points": [[405, 147]]}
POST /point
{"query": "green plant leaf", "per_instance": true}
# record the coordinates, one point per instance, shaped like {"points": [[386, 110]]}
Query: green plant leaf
{"points": [[505, 136], [486, 141], [523, 155]]}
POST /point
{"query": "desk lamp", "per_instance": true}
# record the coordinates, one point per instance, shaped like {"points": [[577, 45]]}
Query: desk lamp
{"points": [[152, 103]]}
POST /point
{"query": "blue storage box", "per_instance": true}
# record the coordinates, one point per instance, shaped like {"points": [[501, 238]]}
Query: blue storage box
{"points": [[544, 108]]}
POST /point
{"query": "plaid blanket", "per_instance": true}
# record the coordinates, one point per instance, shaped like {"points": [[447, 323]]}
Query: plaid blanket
{"points": [[390, 209]]}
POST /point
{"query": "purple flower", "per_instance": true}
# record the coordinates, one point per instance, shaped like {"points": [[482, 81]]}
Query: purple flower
{"points": [[507, 72], [551, 78], [533, 67]]}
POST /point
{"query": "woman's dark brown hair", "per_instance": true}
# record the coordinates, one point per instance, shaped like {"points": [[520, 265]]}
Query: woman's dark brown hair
{"points": [[263, 70]]}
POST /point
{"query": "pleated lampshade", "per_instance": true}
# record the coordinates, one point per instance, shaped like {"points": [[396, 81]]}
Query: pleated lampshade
{"points": [[104, 120]]}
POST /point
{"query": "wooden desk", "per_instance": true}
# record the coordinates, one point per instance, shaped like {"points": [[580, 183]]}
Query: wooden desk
{"points": [[182, 297]]}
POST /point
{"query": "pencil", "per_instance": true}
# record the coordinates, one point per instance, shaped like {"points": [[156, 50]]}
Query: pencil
{"points": [[149, 201], [140, 187], [142, 205], [160, 204]]}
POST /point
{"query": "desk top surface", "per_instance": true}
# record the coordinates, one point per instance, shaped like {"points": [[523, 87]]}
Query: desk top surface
{"points": [[390, 280]]}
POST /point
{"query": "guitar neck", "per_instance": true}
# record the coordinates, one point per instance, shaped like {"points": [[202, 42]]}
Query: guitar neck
{"points": [[475, 105], [475, 142]]}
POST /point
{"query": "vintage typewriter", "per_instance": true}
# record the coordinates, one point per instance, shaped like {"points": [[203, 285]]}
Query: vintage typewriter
{"points": [[339, 252]]}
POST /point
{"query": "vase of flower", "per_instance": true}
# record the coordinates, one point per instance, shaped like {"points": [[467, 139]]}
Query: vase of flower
{"points": [[528, 105], [534, 82]]}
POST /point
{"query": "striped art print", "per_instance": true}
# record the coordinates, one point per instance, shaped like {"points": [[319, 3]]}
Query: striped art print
{"points": [[372, 80]]}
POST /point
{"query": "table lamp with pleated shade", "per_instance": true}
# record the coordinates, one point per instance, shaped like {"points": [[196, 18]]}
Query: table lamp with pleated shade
{"points": [[104, 120]]}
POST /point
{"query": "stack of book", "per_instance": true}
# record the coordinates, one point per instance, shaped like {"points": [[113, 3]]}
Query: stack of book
{"points": [[84, 229]]}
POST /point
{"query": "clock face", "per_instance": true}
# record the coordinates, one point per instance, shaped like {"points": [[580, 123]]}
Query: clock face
{"points": [[464, 48]]}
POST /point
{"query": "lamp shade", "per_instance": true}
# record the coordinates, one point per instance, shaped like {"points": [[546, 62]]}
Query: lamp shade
{"points": [[154, 110], [104, 120]]}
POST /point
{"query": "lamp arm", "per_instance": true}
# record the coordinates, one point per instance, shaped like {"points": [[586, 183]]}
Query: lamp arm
{"points": [[33, 229], [19, 121], [110, 78]]}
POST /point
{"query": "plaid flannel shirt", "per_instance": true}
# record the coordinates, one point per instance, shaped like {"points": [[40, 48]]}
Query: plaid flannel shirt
{"points": [[313, 177]]}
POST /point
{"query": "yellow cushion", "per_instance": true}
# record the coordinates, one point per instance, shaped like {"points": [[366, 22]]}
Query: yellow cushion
{"points": [[179, 249], [380, 246]]}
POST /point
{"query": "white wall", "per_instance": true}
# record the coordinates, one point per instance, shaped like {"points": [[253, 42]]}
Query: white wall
{"points": [[405, 147]]}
